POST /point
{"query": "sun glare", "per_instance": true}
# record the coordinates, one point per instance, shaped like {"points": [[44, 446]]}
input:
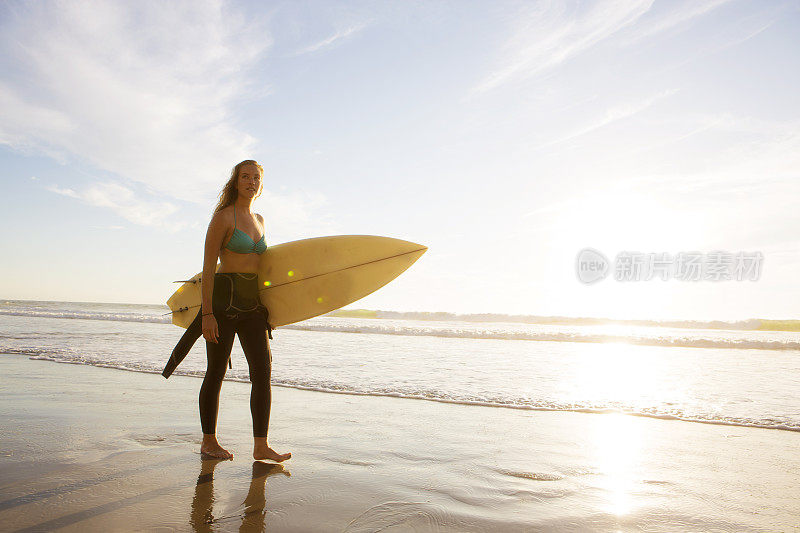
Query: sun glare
{"points": [[613, 373], [617, 449], [618, 221]]}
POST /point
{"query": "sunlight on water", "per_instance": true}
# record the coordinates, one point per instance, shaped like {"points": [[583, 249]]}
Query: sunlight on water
{"points": [[615, 373], [746, 378], [618, 453]]}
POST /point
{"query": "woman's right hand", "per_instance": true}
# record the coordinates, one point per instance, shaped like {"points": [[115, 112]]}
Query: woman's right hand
{"points": [[210, 328]]}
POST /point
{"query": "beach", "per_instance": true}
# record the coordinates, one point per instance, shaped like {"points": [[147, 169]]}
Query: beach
{"points": [[496, 267], [87, 448]]}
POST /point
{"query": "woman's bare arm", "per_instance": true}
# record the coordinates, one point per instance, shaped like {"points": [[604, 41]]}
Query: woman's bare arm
{"points": [[214, 236]]}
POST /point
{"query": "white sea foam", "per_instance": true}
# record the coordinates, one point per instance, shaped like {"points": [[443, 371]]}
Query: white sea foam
{"points": [[516, 332], [717, 376], [426, 394], [695, 341], [89, 315]]}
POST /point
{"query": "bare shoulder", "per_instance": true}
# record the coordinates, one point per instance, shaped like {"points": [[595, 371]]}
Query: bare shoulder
{"points": [[223, 215]]}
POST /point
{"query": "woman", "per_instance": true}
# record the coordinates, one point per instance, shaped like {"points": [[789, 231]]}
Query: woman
{"points": [[231, 305]]}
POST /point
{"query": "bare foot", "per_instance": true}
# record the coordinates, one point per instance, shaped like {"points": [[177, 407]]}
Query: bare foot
{"points": [[262, 451], [213, 449]]}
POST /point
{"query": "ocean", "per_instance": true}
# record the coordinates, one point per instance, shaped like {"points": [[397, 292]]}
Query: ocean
{"points": [[717, 376]]}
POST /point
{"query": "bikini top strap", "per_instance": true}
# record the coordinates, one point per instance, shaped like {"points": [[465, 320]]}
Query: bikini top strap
{"points": [[234, 217]]}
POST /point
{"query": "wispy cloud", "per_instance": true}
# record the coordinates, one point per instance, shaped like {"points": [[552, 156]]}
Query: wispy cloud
{"points": [[293, 215], [689, 125], [142, 90], [115, 228], [740, 32], [679, 14], [548, 34], [612, 114], [62, 190], [338, 36], [124, 202], [757, 149]]}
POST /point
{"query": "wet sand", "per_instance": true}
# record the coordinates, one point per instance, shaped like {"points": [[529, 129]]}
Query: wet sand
{"points": [[98, 449]]}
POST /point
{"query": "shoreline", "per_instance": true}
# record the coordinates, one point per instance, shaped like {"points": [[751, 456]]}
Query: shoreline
{"points": [[85, 448], [475, 403], [731, 324]]}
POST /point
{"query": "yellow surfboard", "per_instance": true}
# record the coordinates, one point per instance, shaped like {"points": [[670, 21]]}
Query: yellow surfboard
{"points": [[307, 278]]}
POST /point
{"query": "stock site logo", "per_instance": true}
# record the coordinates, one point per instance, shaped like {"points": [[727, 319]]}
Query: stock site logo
{"points": [[591, 265]]}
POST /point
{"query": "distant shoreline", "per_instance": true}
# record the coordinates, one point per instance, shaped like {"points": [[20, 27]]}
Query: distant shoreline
{"points": [[758, 324], [750, 324]]}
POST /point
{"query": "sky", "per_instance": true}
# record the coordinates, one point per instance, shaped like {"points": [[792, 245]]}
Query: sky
{"points": [[505, 136]]}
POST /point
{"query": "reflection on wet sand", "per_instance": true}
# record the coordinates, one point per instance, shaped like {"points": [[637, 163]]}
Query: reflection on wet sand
{"points": [[251, 511]]}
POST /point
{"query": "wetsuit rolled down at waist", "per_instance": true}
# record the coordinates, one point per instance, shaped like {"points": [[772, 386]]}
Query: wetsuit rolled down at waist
{"points": [[235, 295]]}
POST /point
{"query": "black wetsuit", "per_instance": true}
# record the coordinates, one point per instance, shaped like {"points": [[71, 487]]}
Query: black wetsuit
{"points": [[238, 310]]}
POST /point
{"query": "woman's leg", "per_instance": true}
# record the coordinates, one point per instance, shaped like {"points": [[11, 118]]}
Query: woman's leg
{"points": [[253, 337], [217, 355]]}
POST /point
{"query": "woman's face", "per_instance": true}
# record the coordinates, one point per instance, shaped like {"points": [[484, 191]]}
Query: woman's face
{"points": [[249, 183]]}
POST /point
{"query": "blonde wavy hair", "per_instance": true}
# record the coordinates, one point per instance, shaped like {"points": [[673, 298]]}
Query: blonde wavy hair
{"points": [[230, 191]]}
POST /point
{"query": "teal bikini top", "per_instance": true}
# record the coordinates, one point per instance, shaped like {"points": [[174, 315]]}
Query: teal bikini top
{"points": [[242, 243]]}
